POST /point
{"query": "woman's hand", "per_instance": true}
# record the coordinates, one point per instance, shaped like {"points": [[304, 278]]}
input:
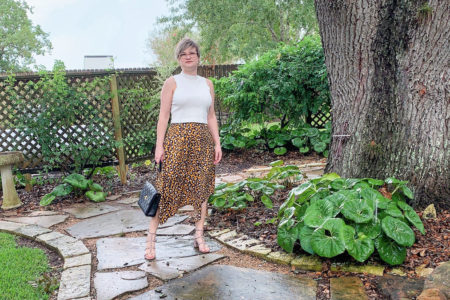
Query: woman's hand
{"points": [[217, 154], [159, 154]]}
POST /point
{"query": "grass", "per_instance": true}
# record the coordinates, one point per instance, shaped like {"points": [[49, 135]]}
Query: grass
{"points": [[20, 270]]}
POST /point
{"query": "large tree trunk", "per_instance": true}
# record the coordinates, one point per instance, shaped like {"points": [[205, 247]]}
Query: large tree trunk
{"points": [[388, 64]]}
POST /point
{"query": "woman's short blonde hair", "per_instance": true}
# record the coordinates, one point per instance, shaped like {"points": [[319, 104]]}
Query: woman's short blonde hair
{"points": [[184, 44]]}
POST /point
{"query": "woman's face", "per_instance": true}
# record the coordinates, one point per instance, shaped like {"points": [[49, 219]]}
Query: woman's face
{"points": [[188, 58]]}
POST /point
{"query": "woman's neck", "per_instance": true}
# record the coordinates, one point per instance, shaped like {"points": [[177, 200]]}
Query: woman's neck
{"points": [[192, 72]]}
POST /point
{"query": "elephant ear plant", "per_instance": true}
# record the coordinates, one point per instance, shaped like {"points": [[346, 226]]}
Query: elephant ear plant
{"points": [[78, 184], [331, 215]]}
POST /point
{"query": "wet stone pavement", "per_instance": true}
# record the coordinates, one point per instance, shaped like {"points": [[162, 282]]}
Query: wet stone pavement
{"points": [[121, 272]]}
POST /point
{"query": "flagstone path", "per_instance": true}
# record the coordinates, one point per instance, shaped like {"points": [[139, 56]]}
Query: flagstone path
{"points": [[120, 268]]}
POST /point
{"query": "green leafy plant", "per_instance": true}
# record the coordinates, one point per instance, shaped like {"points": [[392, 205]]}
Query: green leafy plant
{"points": [[70, 129], [287, 84], [237, 195], [306, 138], [331, 215], [78, 184]]}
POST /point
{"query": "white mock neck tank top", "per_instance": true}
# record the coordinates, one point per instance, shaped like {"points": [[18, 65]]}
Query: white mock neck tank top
{"points": [[191, 99]]}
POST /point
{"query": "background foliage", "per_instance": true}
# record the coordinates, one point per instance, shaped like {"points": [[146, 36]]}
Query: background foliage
{"points": [[247, 28], [19, 38]]}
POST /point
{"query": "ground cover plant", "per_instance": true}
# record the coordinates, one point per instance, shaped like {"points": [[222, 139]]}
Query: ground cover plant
{"points": [[21, 270], [272, 137], [332, 215]]}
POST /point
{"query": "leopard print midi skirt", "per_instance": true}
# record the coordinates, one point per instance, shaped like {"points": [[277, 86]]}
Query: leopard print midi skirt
{"points": [[188, 172]]}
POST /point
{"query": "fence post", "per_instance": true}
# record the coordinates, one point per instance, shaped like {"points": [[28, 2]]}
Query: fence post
{"points": [[118, 129]]}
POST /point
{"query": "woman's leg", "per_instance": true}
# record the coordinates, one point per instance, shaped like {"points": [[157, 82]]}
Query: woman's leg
{"points": [[150, 252], [199, 241]]}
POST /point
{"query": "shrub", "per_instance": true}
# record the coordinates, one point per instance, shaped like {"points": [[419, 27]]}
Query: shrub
{"points": [[331, 215], [287, 84]]}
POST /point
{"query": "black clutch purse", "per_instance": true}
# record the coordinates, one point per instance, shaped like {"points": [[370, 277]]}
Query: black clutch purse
{"points": [[149, 198]]}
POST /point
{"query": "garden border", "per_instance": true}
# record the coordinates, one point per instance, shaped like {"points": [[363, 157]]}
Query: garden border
{"points": [[75, 280]]}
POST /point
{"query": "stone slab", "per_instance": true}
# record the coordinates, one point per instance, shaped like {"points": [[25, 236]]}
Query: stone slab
{"points": [[113, 197], [113, 223], [66, 246], [43, 213], [215, 233], [369, 269], [129, 200], [280, 257], [54, 235], [227, 236], [32, 230], [44, 221], [229, 282], [9, 226], [347, 288], [258, 250], [172, 268], [179, 229], [75, 283], [397, 287], [231, 178], [122, 252], [173, 220], [77, 261], [440, 279], [432, 294], [111, 285], [90, 210], [307, 262], [186, 208], [242, 243]]}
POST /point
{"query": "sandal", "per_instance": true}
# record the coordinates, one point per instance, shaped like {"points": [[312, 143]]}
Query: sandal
{"points": [[150, 246], [199, 242]]}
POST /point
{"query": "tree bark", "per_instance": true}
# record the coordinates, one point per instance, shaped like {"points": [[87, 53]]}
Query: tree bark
{"points": [[388, 64]]}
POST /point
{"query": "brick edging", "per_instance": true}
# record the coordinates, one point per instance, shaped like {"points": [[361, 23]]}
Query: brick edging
{"points": [[75, 280]]}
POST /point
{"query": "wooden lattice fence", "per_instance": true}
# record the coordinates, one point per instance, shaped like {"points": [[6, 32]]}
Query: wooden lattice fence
{"points": [[133, 121]]}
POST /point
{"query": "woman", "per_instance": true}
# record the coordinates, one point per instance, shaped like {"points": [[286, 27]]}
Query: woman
{"points": [[191, 148]]}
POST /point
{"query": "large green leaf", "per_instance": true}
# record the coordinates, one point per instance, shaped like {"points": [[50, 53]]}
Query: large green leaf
{"points": [[398, 231], [302, 192], [96, 187], [220, 202], [412, 216], [96, 196], [47, 199], [389, 250], [393, 210], [305, 239], [359, 248], [77, 180], [318, 212], [337, 199], [374, 198], [298, 142], [62, 190], [256, 186], [371, 229], [280, 151], [328, 241], [286, 204], [320, 147], [266, 201], [357, 210], [408, 193], [286, 236]]}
